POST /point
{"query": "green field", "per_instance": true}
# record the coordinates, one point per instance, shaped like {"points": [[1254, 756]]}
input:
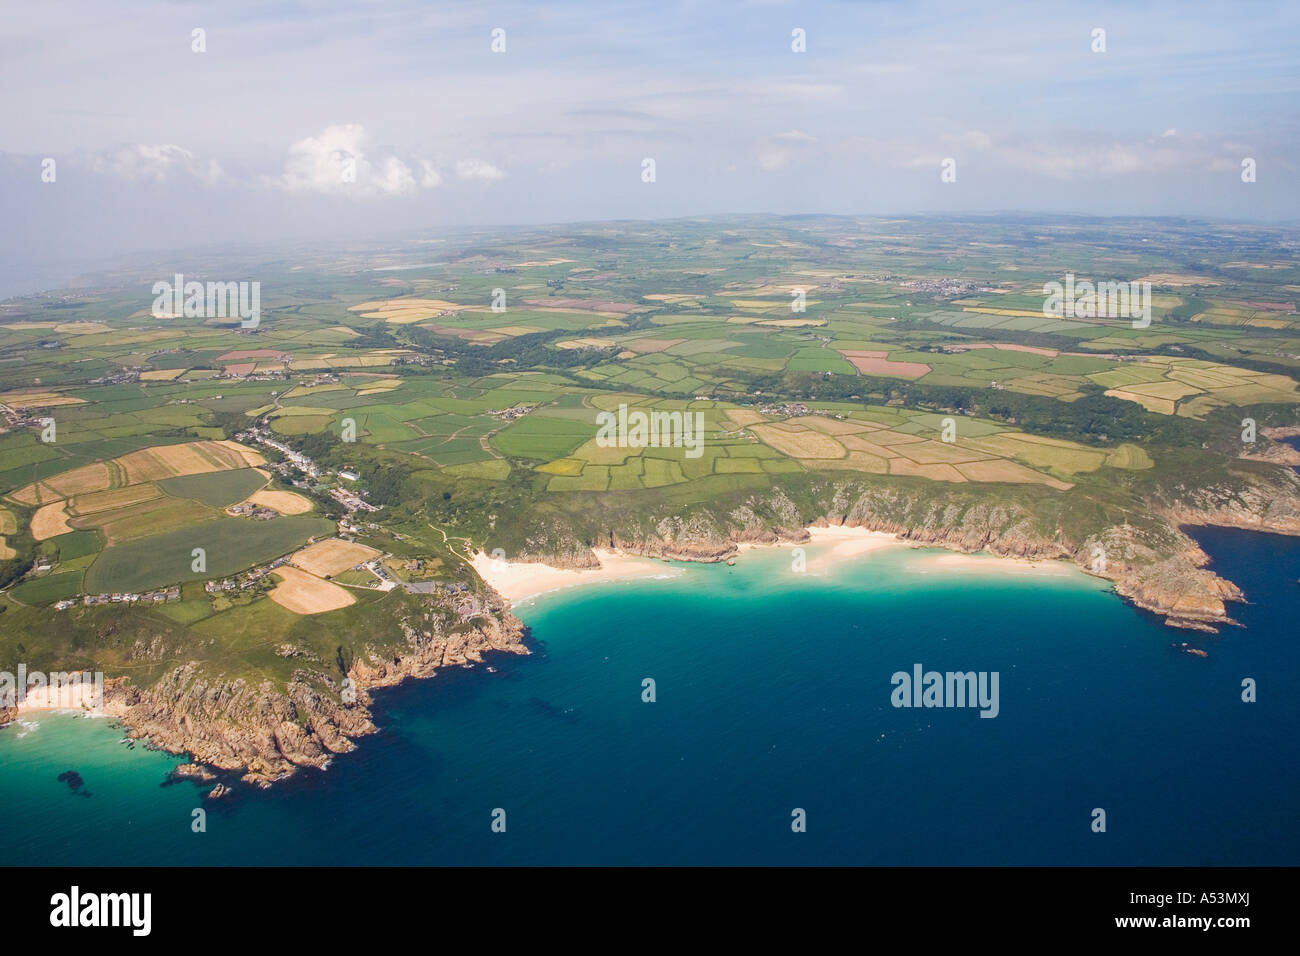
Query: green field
{"points": [[48, 589], [231, 545], [218, 489]]}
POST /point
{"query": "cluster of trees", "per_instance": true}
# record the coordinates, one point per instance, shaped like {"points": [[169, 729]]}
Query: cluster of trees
{"points": [[318, 446], [15, 567], [377, 336], [385, 484]]}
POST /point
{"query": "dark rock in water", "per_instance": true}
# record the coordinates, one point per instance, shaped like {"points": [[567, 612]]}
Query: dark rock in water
{"points": [[74, 782], [550, 710], [189, 771]]}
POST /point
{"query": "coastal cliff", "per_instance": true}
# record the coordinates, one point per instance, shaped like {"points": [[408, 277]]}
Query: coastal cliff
{"points": [[264, 730], [1151, 561]]}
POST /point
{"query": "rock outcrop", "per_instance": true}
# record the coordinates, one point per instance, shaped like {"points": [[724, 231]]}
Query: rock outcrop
{"points": [[266, 732]]}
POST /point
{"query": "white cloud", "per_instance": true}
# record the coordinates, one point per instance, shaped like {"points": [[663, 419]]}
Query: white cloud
{"points": [[429, 175], [779, 151], [141, 162], [796, 136], [340, 161], [974, 138], [478, 169]]}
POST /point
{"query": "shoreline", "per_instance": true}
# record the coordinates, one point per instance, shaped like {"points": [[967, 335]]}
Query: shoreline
{"points": [[520, 581], [80, 698]]}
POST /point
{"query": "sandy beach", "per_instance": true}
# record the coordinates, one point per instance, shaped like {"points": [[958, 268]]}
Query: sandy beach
{"points": [[518, 581], [987, 563], [830, 546], [826, 548], [80, 696]]}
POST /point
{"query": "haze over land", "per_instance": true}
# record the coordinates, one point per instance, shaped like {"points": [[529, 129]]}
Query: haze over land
{"points": [[159, 147]]}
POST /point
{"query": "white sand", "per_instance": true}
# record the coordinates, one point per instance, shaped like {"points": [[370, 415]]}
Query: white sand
{"points": [[518, 581], [954, 561], [830, 546], [848, 543], [72, 697]]}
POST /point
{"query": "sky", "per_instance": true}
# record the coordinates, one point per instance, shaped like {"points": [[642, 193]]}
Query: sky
{"points": [[324, 121]]}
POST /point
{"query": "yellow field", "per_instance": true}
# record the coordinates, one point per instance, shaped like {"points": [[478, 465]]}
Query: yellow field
{"points": [[332, 556], [50, 521], [82, 328], [1192, 387], [901, 466], [586, 343], [190, 458], [745, 416], [161, 374], [799, 444], [1173, 279], [303, 390], [110, 500], [6, 552], [1161, 406], [1002, 470], [29, 398], [647, 346], [145, 465], [835, 426], [380, 386], [406, 311], [8, 523], [302, 410], [891, 438], [677, 298], [571, 467], [1129, 456], [303, 593], [93, 477], [285, 502], [1062, 456], [591, 452], [146, 518], [1170, 390], [859, 443], [1020, 313], [791, 323], [856, 461], [936, 453], [533, 264]]}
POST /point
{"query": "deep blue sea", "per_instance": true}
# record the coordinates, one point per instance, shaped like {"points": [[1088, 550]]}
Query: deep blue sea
{"points": [[773, 693]]}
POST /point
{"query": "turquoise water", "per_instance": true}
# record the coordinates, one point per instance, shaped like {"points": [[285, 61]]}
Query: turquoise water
{"points": [[773, 693]]}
